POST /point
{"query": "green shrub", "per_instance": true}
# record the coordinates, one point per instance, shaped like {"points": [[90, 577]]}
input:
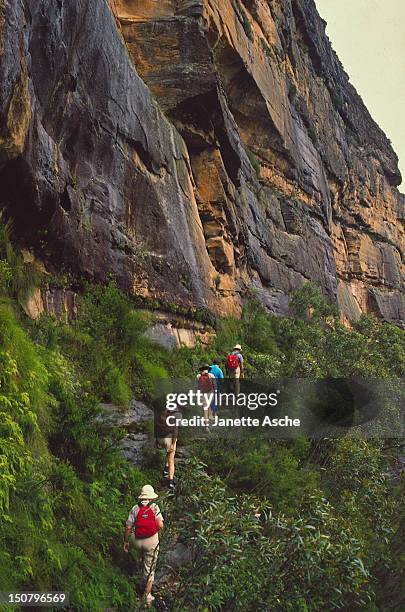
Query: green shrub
{"points": [[259, 328], [245, 561], [116, 387], [270, 469], [358, 483], [107, 342]]}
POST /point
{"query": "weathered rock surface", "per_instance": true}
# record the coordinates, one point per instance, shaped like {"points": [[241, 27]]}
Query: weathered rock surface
{"points": [[175, 557], [60, 303], [255, 85], [200, 149], [137, 412], [132, 419], [92, 172], [171, 331]]}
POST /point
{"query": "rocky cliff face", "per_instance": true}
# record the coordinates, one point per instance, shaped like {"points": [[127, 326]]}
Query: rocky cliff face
{"points": [[197, 149]]}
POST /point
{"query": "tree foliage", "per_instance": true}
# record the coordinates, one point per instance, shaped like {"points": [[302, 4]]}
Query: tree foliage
{"points": [[246, 556]]}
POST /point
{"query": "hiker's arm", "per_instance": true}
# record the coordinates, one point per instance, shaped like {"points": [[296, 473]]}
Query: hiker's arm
{"points": [[158, 516], [126, 537], [159, 523]]}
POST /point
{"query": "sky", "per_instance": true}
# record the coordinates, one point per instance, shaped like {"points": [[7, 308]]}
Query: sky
{"points": [[369, 38]]}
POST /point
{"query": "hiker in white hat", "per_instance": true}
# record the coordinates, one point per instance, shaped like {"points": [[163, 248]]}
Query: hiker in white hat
{"points": [[234, 368], [142, 527]]}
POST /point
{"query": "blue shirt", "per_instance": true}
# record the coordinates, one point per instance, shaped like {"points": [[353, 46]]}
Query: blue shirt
{"points": [[216, 371]]}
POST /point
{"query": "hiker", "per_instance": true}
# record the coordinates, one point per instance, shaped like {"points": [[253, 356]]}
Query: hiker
{"points": [[142, 527], [166, 437], [207, 386], [219, 375], [234, 368]]}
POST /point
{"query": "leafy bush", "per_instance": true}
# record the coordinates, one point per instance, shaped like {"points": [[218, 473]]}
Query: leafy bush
{"points": [[273, 469], [314, 343], [359, 485], [259, 329], [116, 386], [108, 343], [247, 557]]}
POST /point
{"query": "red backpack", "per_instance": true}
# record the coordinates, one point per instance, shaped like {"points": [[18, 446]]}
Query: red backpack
{"points": [[205, 383], [145, 524], [232, 361]]}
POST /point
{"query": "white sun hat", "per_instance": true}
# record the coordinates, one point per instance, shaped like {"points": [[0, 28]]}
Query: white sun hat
{"points": [[237, 347], [148, 492]]}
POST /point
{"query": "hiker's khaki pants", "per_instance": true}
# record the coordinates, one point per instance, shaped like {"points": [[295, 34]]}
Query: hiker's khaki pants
{"points": [[149, 550], [234, 377]]}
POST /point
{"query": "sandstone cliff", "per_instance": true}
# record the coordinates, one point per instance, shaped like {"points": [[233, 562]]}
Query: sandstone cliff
{"points": [[197, 149]]}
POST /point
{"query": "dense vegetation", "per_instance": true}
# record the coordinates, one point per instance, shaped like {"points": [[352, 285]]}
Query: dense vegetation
{"points": [[327, 510]]}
